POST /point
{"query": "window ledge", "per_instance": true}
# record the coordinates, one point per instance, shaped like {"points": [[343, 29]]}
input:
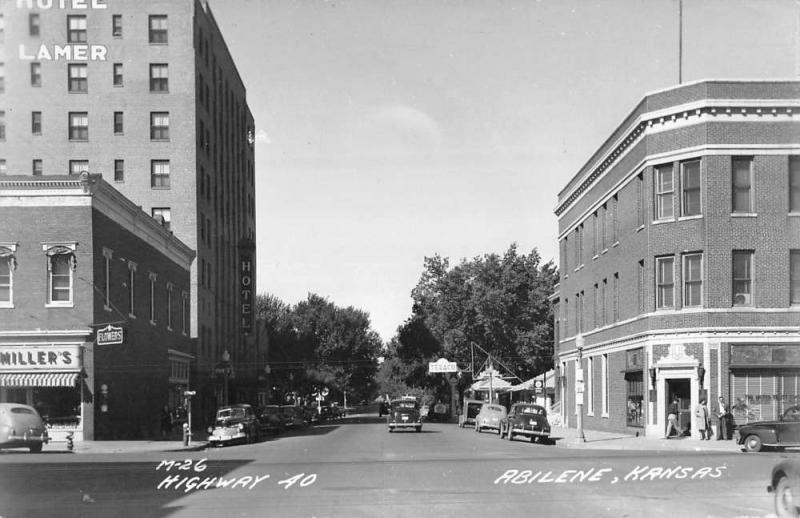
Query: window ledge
{"points": [[169, 328], [662, 221], [794, 214], [107, 308], [744, 215], [590, 414], [615, 244], [59, 305], [6, 305], [639, 228], [595, 257], [152, 322], [605, 250], [579, 268], [686, 218], [131, 315], [604, 415]]}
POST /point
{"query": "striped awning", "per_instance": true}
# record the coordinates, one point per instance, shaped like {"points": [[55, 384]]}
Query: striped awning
{"points": [[38, 379]]}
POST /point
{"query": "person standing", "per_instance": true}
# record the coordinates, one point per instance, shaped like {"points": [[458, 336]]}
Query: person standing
{"points": [[672, 419], [722, 415], [703, 424], [166, 422]]}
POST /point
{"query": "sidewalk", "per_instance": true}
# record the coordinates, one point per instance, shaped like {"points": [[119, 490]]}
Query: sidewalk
{"points": [[599, 440], [123, 446]]}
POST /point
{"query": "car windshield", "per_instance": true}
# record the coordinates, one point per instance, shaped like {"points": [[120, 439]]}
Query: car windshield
{"points": [[229, 413], [530, 410], [792, 414]]}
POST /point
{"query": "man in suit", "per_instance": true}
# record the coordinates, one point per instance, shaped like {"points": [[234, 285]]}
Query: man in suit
{"points": [[722, 416]]}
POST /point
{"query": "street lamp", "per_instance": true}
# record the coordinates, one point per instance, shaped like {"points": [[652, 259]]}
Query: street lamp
{"points": [[579, 385]]}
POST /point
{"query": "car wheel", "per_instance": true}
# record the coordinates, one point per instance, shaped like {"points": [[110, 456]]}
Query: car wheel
{"points": [[752, 443], [784, 499], [36, 448]]}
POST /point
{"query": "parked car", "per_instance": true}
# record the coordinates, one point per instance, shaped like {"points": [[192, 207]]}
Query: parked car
{"points": [[489, 417], [526, 419], [785, 486], [21, 426], [270, 419], [234, 423], [470, 410], [293, 417], [404, 413], [773, 434]]}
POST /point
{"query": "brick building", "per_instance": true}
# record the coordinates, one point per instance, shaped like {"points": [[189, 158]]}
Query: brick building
{"points": [[147, 95], [680, 260], [75, 258]]}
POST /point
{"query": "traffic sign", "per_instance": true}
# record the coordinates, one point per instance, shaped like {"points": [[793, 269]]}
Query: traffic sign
{"points": [[538, 386], [325, 392]]}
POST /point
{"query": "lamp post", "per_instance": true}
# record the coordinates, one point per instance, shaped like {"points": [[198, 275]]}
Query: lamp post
{"points": [[579, 386]]}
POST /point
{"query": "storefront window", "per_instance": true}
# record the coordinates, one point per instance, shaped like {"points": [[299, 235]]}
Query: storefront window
{"points": [[59, 406], [635, 386]]}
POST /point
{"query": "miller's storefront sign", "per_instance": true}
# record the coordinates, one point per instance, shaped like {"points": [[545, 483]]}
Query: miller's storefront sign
{"points": [[17, 358]]}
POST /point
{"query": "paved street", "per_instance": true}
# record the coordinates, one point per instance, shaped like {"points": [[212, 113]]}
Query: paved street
{"points": [[356, 468]]}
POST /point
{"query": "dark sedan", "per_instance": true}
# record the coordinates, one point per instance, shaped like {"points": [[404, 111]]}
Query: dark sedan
{"points": [[234, 423], [404, 413], [528, 420], [772, 434]]}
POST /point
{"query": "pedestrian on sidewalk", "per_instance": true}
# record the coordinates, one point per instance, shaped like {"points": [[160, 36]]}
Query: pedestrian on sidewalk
{"points": [[703, 423], [672, 419], [722, 415], [166, 422]]}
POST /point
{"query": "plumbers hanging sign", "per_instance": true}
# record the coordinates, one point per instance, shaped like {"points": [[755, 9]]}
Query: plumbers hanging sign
{"points": [[26, 358], [69, 51]]}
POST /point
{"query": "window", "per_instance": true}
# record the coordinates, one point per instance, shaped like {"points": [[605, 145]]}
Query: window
{"points": [[692, 280], [158, 28], [36, 123], [641, 202], [159, 174], [169, 305], [36, 74], [690, 188], [665, 282], [564, 255], [36, 167], [159, 125], [8, 263], [108, 255], [742, 277], [131, 289], [159, 78], [61, 264], [596, 306], [590, 385], [635, 405], [665, 191], [117, 75], [78, 78], [604, 386], [615, 298], [742, 199], [642, 287], [2, 77], [77, 167], [794, 185], [119, 170], [614, 223], [153, 278], [118, 127], [184, 313], [2, 125], [76, 28], [162, 215], [33, 24], [595, 237], [794, 277], [78, 126], [116, 25]]}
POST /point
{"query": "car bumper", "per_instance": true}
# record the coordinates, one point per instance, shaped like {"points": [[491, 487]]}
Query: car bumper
{"points": [[27, 438], [529, 432], [226, 437], [405, 424]]}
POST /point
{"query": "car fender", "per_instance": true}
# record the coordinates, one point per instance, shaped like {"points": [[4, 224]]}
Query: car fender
{"points": [[789, 469], [767, 436]]}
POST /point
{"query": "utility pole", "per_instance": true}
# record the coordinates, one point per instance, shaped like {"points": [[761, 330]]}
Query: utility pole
{"points": [[579, 386]]}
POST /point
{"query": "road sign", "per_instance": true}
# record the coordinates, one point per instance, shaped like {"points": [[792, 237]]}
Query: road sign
{"points": [[579, 387], [325, 392], [442, 365], [109, 335], [538, 386]]}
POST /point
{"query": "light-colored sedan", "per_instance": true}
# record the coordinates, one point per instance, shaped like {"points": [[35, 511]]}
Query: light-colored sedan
{"points": [[489, 417], [21, 426]]}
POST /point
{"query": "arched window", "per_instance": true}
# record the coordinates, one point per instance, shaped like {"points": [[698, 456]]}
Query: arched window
{"points": [[61, 264], [8, 263]]}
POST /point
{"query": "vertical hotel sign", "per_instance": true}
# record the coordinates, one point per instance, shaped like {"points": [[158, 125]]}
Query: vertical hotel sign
{"points": [[246, 276]]}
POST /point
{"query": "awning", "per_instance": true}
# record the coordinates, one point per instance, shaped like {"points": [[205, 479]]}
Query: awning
{"points": [[497, 384], [38, 379]]}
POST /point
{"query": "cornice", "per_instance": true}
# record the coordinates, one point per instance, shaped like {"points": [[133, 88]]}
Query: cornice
{"points": [[697, 112]]}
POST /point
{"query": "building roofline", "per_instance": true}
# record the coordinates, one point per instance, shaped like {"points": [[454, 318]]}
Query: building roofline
{"points": [[631, 128], [209, 13], [107, 200]]}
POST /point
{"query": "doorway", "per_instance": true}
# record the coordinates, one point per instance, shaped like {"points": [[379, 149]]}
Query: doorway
{"points": [[680, 389]]}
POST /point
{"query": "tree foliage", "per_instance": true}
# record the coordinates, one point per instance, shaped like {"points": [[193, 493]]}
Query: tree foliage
{"points": [[316, 343], [500, 303]]}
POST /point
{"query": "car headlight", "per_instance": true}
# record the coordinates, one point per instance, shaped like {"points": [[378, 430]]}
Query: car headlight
{"points": [[210, 429], [240, 426]]}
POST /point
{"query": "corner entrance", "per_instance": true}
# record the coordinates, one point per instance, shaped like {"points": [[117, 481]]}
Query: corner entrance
{"points": [[680, 389]]}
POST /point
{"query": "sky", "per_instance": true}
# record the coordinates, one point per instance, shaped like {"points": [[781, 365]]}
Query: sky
{"points": [[389, 131]]}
